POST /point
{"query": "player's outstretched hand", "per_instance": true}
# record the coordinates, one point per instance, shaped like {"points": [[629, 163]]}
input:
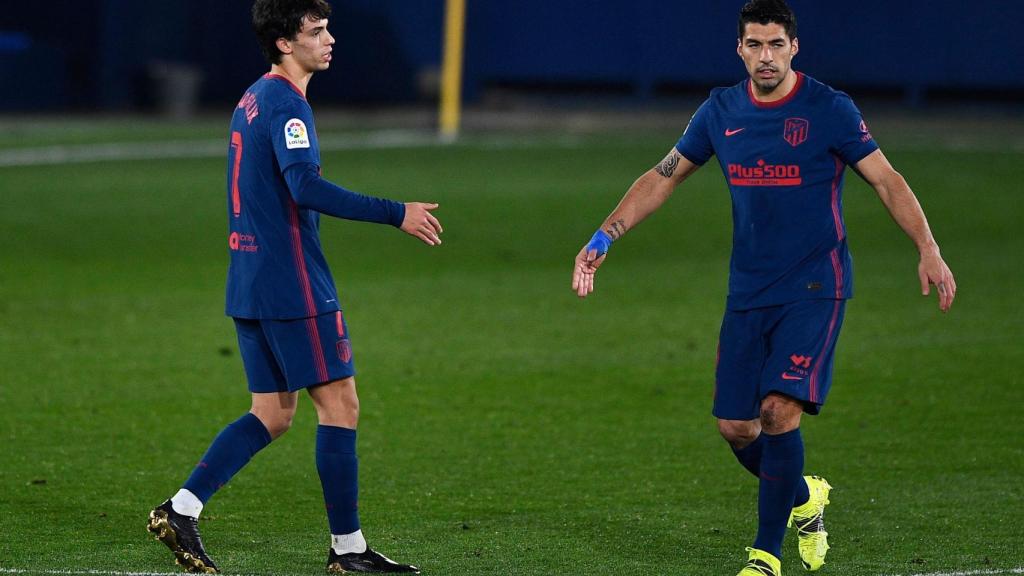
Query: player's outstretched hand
{"points": [[419, 222], [933, 270], [583, 272]]}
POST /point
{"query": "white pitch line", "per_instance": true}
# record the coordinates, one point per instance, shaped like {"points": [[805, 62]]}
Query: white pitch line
{"points": [[83, 572], [55, 572], [991, 572]]}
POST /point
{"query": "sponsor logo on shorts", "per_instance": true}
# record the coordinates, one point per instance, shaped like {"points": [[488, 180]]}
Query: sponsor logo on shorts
{"points": [[801, 361], [798, 371]]}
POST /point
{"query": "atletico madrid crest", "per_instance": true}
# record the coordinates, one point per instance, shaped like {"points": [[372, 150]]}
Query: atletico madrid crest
{"points": [[796, 131], [344, 350]]}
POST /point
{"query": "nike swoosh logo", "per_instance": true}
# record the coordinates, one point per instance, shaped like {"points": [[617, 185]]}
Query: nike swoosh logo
{"points": [[787, 376], [733, 132]]}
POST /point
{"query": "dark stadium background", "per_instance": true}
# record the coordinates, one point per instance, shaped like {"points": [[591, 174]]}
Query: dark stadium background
{"points": [[120, 55]]}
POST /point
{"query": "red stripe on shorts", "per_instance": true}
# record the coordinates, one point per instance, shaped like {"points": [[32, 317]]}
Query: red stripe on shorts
{"points": [[318, 352], [821, 355]]}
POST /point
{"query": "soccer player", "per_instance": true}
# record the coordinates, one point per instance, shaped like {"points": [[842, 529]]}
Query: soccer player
{"points": [[783, 141], [280, 293]]}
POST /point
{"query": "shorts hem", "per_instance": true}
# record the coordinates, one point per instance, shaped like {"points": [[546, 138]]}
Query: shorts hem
{"points": [[306, 386]]}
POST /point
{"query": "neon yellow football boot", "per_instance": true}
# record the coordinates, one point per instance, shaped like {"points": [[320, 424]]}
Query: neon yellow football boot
{"points": [[761, 563], [809, 521]]}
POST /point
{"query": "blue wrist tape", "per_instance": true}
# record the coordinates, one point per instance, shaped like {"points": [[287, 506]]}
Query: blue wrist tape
{"points": [[600, 241]]}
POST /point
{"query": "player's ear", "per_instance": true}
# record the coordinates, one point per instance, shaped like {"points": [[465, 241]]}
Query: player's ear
{"points": [[284, 45], [796, 47], [739, 47]]}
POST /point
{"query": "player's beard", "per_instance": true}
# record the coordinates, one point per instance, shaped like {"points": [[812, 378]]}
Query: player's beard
{"points": [[765, 87]]}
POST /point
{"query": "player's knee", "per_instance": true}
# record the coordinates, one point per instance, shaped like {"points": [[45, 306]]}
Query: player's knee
{"points": [[276, 422], [280, 425], [351, 413], [337, 403], [739, 433], [780, 415]]}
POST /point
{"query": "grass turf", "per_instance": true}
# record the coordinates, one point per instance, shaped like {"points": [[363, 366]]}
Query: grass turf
{"points": [[507, 427]]}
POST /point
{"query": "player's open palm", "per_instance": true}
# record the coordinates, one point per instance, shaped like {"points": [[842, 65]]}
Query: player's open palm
{"points": [[587, 262], [419, 222]]}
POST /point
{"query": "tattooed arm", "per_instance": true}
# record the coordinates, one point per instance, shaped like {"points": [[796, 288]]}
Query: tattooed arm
{"points": [[646, 195]]}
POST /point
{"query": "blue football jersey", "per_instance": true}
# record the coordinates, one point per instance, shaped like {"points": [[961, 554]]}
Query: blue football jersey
{"points": [[277, 269], [783, 162]]}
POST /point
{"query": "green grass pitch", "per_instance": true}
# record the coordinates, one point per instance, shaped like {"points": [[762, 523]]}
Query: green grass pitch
{"points": [[507, 427]]}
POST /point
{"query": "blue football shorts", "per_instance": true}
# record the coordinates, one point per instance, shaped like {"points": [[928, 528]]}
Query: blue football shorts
{"points": [[289, 355], [786, 349]]}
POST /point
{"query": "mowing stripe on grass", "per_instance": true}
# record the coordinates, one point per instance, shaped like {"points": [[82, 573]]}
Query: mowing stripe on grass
{"points": [[174, 149], [380, 140]]}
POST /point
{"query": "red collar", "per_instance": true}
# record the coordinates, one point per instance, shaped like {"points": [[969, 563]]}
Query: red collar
{"points": [[782, 101], [290, 83]]}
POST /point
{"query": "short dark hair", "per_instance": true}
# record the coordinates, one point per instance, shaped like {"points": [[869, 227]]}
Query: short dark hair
{"points": [[273, 19], [766, 12]]}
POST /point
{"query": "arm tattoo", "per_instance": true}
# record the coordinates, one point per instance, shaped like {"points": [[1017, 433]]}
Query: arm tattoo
{"points": [[668, 165], [617, 229]]}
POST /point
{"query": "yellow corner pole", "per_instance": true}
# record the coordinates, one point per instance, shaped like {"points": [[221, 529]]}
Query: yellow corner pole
{"points": [[451, 68]]}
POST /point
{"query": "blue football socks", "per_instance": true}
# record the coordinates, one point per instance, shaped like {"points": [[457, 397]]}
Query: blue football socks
{"points": [[750, 457], [232, 449], [782, 466], [338, 466]]}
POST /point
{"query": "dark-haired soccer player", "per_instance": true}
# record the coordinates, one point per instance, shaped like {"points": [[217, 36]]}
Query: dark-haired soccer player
{"points": [[291, 331], [783, 141]]}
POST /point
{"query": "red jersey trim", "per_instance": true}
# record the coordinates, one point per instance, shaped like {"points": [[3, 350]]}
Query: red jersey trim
{"points": [[837, 269], [782, 102], [300, 259], [840, 231], [290, 83]]}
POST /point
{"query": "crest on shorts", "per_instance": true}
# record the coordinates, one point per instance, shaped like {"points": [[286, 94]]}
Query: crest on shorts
{"points": [[344, 351], [795, 131]]}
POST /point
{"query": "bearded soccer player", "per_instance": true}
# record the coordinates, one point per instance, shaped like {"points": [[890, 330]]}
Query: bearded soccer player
{"points": [[291, 331], [783, 141]]}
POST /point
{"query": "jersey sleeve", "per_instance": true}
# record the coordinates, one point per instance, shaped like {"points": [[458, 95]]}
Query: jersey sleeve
{"points": [[853, 140], [695, 143], [293, 134]]}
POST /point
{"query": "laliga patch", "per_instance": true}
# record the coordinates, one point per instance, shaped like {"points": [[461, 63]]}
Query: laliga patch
{"points": [[295, 134]]}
